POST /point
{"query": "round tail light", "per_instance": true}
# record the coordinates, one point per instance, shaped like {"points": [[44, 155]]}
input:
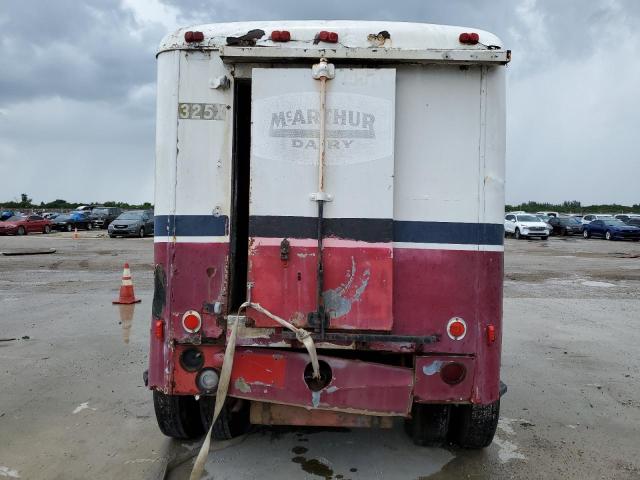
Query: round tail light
{"points": [[207, 380], [192, 359], [453, 373], [191, 321], [456, 328]]}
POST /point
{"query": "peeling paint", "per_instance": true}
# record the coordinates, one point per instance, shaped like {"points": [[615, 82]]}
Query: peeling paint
{"points": [[332, 389], [242, 386], [315, 398], [432, 368], [338, 302]]}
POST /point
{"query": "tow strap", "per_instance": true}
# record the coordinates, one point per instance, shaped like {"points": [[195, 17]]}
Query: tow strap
{"points": [[227, 365]]}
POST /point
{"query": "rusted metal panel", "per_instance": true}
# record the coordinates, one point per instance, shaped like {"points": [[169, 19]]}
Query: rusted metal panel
{"points": [[354, 387], [263, 413], [429, 386]]}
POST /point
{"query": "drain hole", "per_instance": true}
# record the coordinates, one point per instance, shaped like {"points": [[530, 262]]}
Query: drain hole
{"points": [[317, 384]]}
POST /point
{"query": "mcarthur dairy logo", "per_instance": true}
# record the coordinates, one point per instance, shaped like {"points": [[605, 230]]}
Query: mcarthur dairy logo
{"points": [[359, 128], [340, 123]]}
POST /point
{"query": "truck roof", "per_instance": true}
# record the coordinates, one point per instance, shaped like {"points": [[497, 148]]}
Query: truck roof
{"points": [[404, 37]]}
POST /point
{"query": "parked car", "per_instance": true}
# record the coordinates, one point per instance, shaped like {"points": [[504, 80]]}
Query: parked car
{"points": [[625, 217], [136, 223], [22, 225], [50, 215], [548, 214], [101, 217], [5, 214], [611, 230], [591, 217], [526, 225], [545, 219], [71, 221], [634, 222], [565, 226]]}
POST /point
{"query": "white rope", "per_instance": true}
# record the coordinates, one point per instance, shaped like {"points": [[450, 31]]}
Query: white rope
{"points": [[225, 375]]}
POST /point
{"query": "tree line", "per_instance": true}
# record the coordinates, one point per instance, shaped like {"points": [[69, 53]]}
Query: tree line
{"points": [[60, 204], [573, 206]]}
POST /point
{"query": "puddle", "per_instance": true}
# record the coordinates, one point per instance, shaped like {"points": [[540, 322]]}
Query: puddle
{"points": [[592, 283], [126, 320]]}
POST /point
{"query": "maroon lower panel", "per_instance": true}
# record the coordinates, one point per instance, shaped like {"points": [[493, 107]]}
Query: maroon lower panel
{"points": [[355, 386]]}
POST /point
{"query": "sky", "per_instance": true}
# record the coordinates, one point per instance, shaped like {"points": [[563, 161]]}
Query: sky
{"points": [[77, 89]]}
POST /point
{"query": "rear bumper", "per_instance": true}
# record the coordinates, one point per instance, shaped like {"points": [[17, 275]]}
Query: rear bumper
{"points": [[355, 386]]}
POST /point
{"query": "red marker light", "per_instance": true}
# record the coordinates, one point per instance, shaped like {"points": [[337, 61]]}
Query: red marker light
{"points": [[491, 334], [158, 329], [469, 38], [280, 36], [191, 37], [329, 37]]}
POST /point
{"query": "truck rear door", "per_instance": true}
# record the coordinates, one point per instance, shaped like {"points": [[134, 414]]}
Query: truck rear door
{"points": [[358, 177]]}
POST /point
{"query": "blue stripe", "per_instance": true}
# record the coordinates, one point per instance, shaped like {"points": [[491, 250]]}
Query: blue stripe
{"points": [[191, 225], [403, 230], [448, 232]]}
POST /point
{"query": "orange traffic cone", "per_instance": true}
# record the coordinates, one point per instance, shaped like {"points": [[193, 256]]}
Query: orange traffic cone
{"points": [[75, 233], [126, 289]]}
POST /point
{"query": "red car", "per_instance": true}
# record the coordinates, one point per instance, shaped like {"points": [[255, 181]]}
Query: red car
{"points": [[18, 225]]}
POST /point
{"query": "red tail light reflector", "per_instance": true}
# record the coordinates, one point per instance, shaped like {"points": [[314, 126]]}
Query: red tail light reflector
{"points": [[491, 334], [158, 329], [280, 36], [191, 321], [469, 38], [192, 37], [453, 373], [456, 328]]}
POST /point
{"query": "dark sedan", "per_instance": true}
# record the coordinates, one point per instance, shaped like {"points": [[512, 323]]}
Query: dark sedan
{"points": [[611, 230], [71, 222], [565, 226]]}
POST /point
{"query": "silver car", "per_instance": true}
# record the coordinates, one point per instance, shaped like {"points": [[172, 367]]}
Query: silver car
{"points": [[135, 223]]}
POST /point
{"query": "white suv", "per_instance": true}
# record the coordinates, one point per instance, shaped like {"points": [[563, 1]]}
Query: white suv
{"points": [[525, 225]]}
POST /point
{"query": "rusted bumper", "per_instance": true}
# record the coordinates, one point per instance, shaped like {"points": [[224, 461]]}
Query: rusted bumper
{"points": [[353, 386]]}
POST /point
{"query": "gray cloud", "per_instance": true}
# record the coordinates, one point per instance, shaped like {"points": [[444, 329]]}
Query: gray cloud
{"points": [[77, 91]]}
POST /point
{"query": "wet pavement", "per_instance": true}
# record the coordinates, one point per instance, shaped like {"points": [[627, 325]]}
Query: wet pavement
{"points": [[73, 405]]}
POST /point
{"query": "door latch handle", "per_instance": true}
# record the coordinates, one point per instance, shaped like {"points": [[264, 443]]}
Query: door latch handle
{"points": [[284, 250]]}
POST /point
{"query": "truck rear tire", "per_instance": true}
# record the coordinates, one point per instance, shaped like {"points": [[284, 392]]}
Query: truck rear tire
{"points": [[178, 416], [473, 426], [233, 420], [429, 424]]}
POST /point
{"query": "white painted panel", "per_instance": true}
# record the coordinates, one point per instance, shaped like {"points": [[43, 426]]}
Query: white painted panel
{"points": [[360, 139], [166, 131], [437, 144], [494, 158], [204, 146]]}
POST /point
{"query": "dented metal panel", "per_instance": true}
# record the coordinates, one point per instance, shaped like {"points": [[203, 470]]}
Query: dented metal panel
{"points": [[355, 386]]}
